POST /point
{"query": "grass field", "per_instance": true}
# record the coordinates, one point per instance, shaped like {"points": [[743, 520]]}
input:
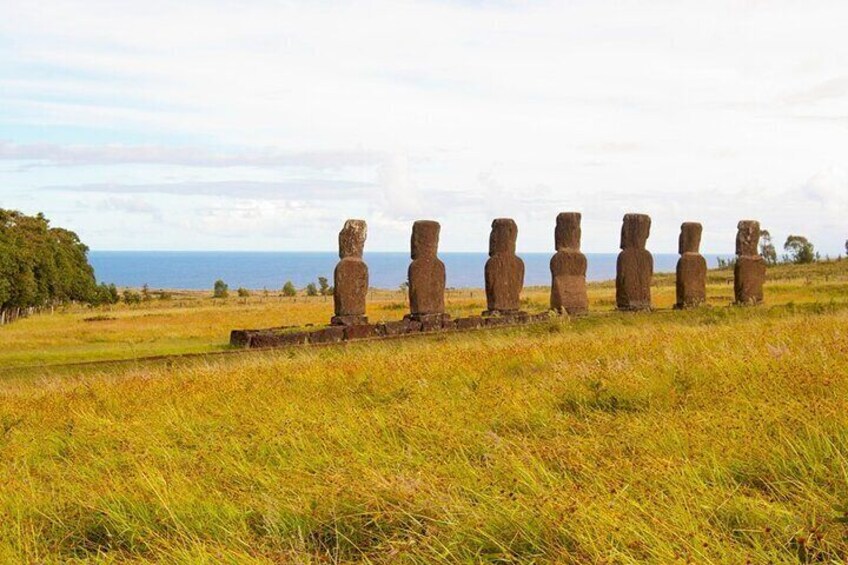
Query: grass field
{"points": [[718, 435]]}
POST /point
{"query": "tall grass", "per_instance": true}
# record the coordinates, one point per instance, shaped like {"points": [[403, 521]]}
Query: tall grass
{"points": [[718, 435]]}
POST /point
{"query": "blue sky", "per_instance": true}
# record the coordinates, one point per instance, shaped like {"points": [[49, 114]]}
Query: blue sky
{"points": [[263, 125]]}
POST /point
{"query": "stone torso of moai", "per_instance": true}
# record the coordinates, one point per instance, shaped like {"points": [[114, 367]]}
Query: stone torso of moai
{"points": [[691, 267], [504, 270], [426, 273], [568, 267], [750, 270], [350, 279], [635, 266]]}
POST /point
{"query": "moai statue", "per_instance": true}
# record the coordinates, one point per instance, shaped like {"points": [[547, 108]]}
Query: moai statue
{"points": [[635, 266], [750, 271], [568, 267], [350, 279], [426, 274], [691, 267], [504, 270]]}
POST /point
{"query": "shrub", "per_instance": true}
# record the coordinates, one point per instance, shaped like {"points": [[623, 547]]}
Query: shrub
{"points": [[221, 289], [243, 292], [131, 297], [289, 289]]}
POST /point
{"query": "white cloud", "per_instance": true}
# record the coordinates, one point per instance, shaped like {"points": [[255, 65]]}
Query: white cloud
{"points": [[687, 110]]}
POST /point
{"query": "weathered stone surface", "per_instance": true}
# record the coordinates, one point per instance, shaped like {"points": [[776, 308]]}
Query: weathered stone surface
{"points": [[429, 322], [330, 334], [348, 320], [470, 323], [691, 267], [361, 331], [497, 320], [635, 265], [568, 267], [278, 339], [399, 327], [350, 278], [749, 278], [504, 269], [749, 274], [747, 238], [426, 273], [240, 338], [541, 317]]}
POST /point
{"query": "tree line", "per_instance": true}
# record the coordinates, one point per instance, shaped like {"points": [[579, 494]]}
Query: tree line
{"points": [[43, 266], [797, 249], [222, 290]]}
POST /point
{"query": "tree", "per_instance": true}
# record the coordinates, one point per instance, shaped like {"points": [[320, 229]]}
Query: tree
{"points": [[324, 286], [767, 250], [131, 297], [106, 294], [145, 293], [800, 249], [311, 289], [289, 289], [220, 290], [41, 266], [243, 292]]}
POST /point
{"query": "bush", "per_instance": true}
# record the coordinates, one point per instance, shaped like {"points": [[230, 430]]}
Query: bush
{"points": [[289, 289], [243, 292], [106, 294], [131, 297], [220, 290], [311, 290]]}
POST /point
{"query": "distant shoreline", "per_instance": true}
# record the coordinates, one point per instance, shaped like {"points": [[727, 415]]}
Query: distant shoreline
{"points": [[192, 270]]}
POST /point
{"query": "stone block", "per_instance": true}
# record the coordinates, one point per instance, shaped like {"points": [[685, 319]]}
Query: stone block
{"points": [[362, 331], [330, 334]]}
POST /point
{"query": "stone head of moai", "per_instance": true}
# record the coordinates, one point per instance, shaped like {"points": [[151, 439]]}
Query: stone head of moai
{"points": [[567, 233], [503, 237], [425, 239], [352, 239], [635, 230], [747, 238], [690, 237]]}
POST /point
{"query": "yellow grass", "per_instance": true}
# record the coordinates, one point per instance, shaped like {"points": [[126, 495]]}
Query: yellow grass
{"points": [[717, 435]]}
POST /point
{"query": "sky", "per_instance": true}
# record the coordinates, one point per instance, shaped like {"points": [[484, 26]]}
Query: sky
{"points": [[233, 125]]}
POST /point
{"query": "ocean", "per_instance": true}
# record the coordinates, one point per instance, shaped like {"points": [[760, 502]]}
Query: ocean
{"points": [[198, 270]]}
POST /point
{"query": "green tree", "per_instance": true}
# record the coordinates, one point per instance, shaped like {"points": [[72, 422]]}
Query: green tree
{"points": [[323, 286], [243, 292], [41, 266], [800, 249], [289, 289], [106, 294], [767, 250], [311, 289], [131, 297], [220, 290]]}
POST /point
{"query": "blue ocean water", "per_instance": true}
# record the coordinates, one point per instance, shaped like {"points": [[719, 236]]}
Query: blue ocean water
{"points": [[197, 270]]}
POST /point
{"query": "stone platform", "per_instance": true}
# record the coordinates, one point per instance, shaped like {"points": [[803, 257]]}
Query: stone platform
{"points": [[295, 335]]}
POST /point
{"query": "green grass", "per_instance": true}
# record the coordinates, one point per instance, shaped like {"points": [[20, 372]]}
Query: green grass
{"points": [[718, 435]]}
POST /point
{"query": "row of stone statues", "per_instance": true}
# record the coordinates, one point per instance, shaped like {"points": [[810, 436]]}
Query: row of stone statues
{"points": [[504, 271]]}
